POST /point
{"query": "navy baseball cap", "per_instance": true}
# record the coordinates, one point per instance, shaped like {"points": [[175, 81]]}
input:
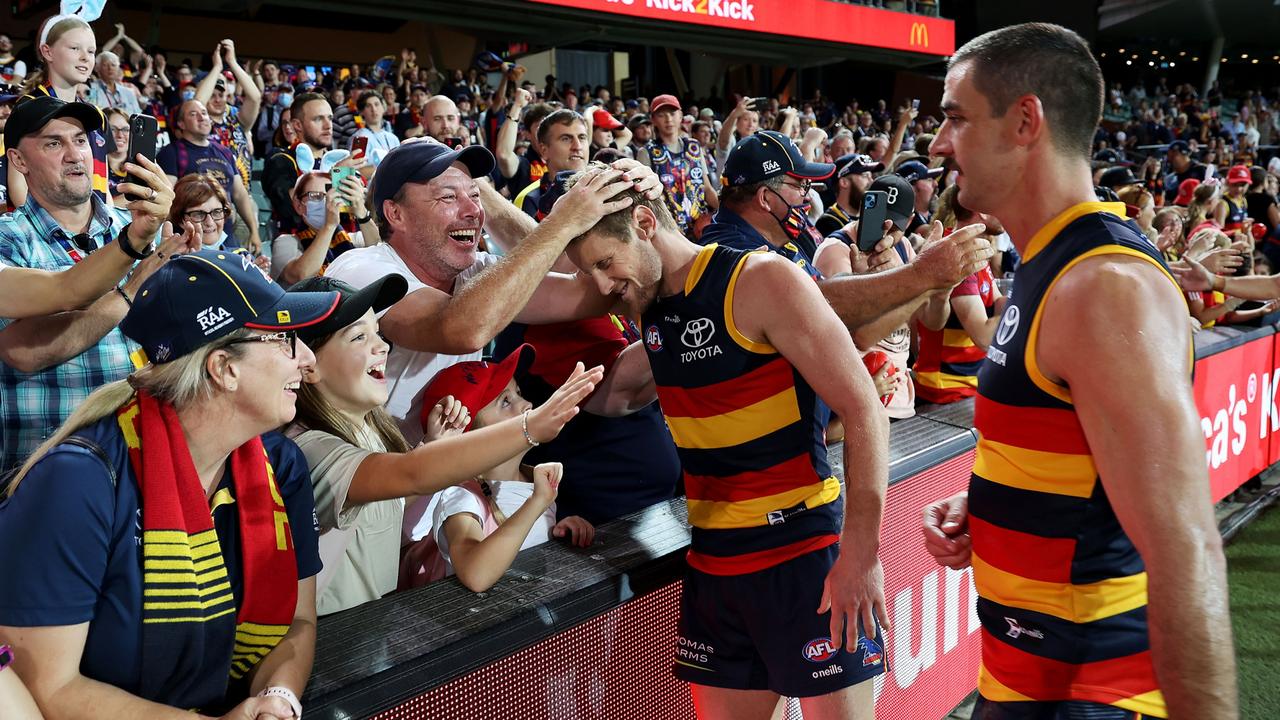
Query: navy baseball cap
{"points": [[913, 170], [353, 302], [902, 198], [1181, 146], [856, 163], [31, 114], [1118, 177], [196, 298], [421, 161], [768, 154]]}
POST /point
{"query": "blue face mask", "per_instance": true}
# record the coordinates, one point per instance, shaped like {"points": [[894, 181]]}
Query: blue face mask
{"points": [[188, 94], [315, 214], [220, 242], [284, 100]]}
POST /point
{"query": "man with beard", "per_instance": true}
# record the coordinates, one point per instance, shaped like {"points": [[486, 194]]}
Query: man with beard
{"points": [[443, 122], [778, 599], [641, 128], [194, 152], [854, 174], [52, 362], [312, 121]]}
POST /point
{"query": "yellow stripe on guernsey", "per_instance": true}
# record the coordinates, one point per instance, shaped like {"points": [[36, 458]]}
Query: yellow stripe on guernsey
{"points": [[996, 691], [1148, 703], [1076, 603], [1036, 470], [737, 426], [725, 514], [956, 339], [939, 379]]}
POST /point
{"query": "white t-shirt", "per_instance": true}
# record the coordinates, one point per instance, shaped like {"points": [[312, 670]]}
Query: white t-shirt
{"points": [[408, 371], [383, 139], [509, 494]]}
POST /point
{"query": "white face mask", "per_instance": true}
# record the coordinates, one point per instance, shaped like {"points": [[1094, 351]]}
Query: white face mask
{"points": [[217, 244]]}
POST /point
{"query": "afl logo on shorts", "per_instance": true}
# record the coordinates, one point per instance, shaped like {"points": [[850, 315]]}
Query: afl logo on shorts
{"points": [[653, 339], [819, 650], [1008, 325]]}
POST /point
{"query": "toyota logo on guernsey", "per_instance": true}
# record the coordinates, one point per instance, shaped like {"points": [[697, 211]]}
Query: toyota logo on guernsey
{"points": [[734, 9], [697, 333]]}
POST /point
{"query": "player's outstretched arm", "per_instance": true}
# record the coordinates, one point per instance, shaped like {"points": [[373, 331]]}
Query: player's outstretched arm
{"points": [[1132, 391]]}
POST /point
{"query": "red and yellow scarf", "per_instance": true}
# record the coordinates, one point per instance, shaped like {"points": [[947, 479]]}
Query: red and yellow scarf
{"points": [[194, 638]]}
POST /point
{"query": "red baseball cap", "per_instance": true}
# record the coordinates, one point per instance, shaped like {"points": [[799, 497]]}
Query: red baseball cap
{"points": [[1239, 174], [475, 383], [601, 118], [1186, 191], [664, 101]]}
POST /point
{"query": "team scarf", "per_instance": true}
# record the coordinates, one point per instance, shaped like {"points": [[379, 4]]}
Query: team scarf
{"points": [[340, 243], [194, 640]]}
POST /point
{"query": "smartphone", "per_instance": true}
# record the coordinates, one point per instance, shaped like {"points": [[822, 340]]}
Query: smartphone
{"points": [[875, 210], [915, 104], [759, 103], [453, 143], [142, 141], [359, 145], [337, 175]]}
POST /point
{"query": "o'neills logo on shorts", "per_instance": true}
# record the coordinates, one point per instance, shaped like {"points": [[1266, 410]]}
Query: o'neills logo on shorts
{"points": [[734, 9]]}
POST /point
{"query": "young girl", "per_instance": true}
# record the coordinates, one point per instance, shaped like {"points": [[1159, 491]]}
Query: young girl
{"points": [[362, 470], [480, 525]]}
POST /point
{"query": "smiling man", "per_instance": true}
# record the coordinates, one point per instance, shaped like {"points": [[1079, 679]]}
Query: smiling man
{"points": [[1088, 521], [563, 144]]}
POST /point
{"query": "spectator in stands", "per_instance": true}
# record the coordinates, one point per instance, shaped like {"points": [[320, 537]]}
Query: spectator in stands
{"points": [[1265, 212], [607, 132], [345, 113], [1170, 241], [125, 481], [361, 467], [641, 128], [1182, 168], [66, 48], [8, 96], [372, 112], [276, 100], [1202, 210], [200, 207], [108, 90], [136, 57], [117, 125], [306, 253], [1140, 206], [195, 152], [12, 70], [409, 123], [853, 176], [52, 362], [946, 368], [682, 164], [521, 172], [312, 121], [562, 143], [231, 123], [443, 122], [481, 525], [924, 180], [1232, 212]]}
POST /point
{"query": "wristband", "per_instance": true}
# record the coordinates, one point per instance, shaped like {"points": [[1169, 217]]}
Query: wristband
{"points": [[127, 247], [524, 425], [287, 694], [363, 220], [124, 295]]}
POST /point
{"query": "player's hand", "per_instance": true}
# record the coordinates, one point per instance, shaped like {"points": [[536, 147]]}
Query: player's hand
{"points": [[854, 594], [946, 531]]}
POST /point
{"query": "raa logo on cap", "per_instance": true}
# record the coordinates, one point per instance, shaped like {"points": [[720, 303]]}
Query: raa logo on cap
{"points": [[770, 166]]}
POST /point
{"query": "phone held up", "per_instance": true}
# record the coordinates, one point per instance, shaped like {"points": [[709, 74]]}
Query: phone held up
{"points": [[143, 131], [875, 210], [337, 175]]}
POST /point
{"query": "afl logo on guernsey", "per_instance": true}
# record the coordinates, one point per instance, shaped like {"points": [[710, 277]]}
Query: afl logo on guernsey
{"points": [[653, 339], [1008, 325]]}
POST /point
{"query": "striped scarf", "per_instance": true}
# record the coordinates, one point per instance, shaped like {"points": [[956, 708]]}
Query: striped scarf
{"points": [[194, 641], [340, 243]]}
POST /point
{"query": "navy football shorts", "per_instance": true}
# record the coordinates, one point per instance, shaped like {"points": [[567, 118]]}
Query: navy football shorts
{"points": [[761, 631]]}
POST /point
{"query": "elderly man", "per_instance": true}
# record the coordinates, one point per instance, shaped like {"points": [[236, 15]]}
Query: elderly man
{"points": [[107, 90], [50, 363]]}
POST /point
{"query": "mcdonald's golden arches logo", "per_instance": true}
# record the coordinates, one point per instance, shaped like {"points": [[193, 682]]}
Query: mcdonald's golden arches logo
{"points": [[919, 34]]}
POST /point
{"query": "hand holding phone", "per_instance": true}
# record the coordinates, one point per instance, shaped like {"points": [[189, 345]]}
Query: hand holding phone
{"points": [[875, 210], [336, 176], [143, 130], [359, 146]]}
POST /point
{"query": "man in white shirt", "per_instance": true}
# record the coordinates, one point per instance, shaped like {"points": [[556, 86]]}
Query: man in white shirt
{"points": [[373, 110]]}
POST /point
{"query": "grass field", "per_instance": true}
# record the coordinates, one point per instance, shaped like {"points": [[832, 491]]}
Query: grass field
{"points": [[1253, 568]]}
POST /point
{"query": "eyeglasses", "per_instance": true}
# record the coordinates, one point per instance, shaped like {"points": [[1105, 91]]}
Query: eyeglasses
{"points": [[312, 196], [198, 216], [288, 340], [803, 187], [119, 130]]}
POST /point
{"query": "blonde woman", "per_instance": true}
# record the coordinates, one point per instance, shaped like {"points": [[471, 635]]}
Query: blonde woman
{"points": [[168, 551]]}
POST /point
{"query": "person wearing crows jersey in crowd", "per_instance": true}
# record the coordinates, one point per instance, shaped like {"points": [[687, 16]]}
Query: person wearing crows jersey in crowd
{"points": [[155, 478], [778, 599], [681, 162], [67, 48], [1092, 605], [408, 122], [311, 120], [947, 363], [853, 176], [562, 142], [195, 152], [924, 181], [49, 363], [617, 452], [1232, 213]]}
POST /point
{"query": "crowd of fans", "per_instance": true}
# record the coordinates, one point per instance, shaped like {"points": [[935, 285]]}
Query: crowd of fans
{"points": [[411, 211]]}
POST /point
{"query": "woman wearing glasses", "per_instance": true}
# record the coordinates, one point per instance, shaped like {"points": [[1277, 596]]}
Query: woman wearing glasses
{"points": [[200, 208], [168, 546], [118, 127], [306, 253]]}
